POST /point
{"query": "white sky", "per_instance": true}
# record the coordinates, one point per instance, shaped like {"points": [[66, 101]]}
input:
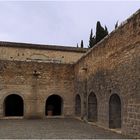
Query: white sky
{"points": [[59, 22]]}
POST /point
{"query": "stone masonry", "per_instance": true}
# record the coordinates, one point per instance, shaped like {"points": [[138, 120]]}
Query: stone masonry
{"points": [[113, 67], [100, 85]]}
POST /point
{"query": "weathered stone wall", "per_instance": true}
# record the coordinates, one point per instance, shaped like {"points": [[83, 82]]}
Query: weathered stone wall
{"points": [[18, 77], [109, 73], [113, 67], [60, 55]]}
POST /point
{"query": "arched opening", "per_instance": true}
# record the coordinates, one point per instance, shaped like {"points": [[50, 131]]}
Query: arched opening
{"points": [[77, 105], [13, 105], [53, 105], [114, 111], [92, 107]]}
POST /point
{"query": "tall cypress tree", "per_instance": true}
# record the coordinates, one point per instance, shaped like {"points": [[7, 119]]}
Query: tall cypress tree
{"points": [[106, 31], [100, 32], [92, 40], [77, 45], [116, 25], [82, 44]]}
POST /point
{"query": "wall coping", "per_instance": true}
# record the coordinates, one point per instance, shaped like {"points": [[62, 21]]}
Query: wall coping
{"points": [[42, 47]]}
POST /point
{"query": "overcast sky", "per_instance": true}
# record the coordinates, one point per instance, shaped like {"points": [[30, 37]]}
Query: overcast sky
{"points": [[59, 23]]}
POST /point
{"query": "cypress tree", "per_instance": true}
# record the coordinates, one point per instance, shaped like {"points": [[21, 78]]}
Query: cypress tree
{"points": [[92, 40], [77, 45], [100, 32], [116, 25], [106, 31], [82, 44]]}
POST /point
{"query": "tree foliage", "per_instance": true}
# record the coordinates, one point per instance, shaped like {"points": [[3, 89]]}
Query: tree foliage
{"points": [[116, 25], [77, 45], [82, 44], [92, 39], [100, 34]]}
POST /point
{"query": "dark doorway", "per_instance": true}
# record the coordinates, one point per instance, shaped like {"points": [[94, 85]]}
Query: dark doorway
{"points": [[77, 105], [13, 105], [54, 104], [114, 111], [92, 107]]}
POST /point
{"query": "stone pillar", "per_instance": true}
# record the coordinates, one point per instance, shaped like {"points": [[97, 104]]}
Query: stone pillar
{"points": [[33, 103]]}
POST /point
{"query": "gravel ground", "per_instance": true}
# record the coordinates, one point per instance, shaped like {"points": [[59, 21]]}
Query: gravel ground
{"points": [[52, 128]]}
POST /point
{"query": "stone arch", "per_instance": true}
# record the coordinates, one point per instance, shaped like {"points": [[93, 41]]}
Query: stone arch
{"points": [[92, 107], [13, 105], [114, 111], [54, 105], [77, 105]]}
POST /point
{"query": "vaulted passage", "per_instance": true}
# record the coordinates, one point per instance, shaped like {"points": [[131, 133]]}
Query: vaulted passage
{"points": [[13, 105], [53, 105], [92, 107], [77, 105], [115, 111]]}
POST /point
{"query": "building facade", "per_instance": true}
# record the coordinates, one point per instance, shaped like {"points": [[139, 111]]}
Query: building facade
{"points": [[100, 85]]}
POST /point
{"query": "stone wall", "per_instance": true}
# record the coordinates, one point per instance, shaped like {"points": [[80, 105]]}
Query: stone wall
{"points": [[45, 53], [35, 82], [112, 67], [101, 87]]}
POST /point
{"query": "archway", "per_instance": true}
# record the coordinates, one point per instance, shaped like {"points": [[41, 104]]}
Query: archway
{"points": [[77, 105], [92, 107], [53, 104], [13, 105], [114, 111]]}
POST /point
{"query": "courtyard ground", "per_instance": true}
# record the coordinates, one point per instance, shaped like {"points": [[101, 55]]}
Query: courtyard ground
{"points": [[52, 128]]}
